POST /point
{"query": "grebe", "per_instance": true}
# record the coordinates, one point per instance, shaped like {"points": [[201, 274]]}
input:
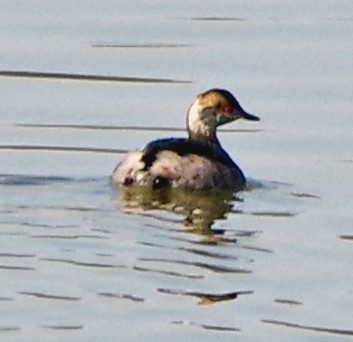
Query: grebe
{"points": [[196, 162]]}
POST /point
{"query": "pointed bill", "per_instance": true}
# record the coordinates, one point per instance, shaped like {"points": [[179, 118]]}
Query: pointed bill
{"points": [[250, 117]]}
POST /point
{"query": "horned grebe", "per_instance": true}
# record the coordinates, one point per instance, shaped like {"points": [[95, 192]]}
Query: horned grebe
{"points": [[196, 162]]}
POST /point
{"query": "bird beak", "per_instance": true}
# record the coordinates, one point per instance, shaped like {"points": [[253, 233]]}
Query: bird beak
{"points": [[235, 114], [248, 116]]}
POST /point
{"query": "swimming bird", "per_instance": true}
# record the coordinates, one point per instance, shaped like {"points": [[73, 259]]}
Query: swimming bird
{"points": [[196, 162]]}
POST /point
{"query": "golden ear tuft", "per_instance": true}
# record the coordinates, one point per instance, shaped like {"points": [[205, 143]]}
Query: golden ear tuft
{"points": [[213, 99]]}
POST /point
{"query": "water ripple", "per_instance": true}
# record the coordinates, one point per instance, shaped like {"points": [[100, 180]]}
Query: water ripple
{"points": [[128, 128], [287, 301], [48, 296], [208, 326], [273, 213], [16, 255], [215, 255], [63, 327], [206, 298], [83, 264], [346, 237], [195, 251], [61, 149], [139, 45], [16, 268], [210, 267], [85, 77], [68, 237], [168, 273], [121, 296], [217, 19], [309, 327], [5, 329], [6, 299]]}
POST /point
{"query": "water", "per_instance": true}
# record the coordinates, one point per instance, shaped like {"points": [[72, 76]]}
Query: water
{"points": [[80, 259]]}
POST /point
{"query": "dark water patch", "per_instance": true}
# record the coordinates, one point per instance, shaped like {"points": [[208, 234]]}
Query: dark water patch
{"points": [[308, 327], [203, 265], [63, 327], [86, 77], [168, 273], [16, 268], [6, 299], [304, 195], [121, 296], [287, 301], [206, 298], [61, 149], [82, 264], [48, 296], [218, 231], [208, 326], [139, 45]]}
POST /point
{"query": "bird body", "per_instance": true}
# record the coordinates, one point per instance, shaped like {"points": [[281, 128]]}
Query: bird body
{"points": [[196, 162]]}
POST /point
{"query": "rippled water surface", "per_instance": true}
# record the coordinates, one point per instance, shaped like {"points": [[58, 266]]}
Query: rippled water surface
{"points": [[83, 83]]}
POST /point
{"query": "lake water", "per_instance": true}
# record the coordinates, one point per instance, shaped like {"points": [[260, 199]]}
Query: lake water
{"points": [[83, 82]]}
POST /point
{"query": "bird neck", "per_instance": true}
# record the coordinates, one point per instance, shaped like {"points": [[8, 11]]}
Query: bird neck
{"points": [[200, 126]]}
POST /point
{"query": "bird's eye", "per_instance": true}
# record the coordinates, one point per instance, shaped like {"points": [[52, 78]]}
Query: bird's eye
{"points": [[226, 109]]}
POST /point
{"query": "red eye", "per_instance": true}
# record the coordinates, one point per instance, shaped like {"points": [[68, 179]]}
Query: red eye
{"points": [[226, 109]]}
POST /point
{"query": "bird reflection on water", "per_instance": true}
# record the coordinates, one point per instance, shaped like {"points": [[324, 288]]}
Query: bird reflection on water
{"points": [[199, 209]]}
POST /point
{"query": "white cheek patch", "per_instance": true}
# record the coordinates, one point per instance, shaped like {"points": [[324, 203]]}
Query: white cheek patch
{"points": [[193, 117], [200, 126]]}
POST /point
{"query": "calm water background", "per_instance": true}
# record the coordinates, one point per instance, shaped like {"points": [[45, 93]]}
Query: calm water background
{"points": [[78, 262]]}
